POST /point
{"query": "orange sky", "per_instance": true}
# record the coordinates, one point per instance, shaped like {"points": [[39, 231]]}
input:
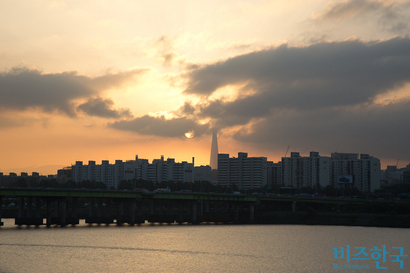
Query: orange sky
{"points": [[99, 80]]}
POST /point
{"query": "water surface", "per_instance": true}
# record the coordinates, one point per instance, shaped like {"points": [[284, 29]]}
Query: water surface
{"points": [[191, 248]]}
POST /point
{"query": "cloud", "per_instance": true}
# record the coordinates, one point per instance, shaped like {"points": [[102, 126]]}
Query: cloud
{"points": [[165, 47], [23, 88], [160, 126], [349, 9], [103, 108], [317, 76], [11, 121], [377, 130], [320, 97], [392, 15]]}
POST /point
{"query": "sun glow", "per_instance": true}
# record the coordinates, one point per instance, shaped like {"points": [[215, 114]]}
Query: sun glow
{"points": [[190, 134]]}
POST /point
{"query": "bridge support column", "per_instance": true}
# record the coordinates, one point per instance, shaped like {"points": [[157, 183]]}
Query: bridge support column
{"points": [[169, 205], [251, 213], [29, 207], [63, 213], [99, 207], [74, 207], [226, 207], [1, 204], [152, 206], [90, 207], [194, 212], [236, 213], [120, 211], [56, 207], [21, 205], [139, 209], [48, 212], [132, 212], [108, 207], [161, 207], [180, 213], [201, 212], [38, 207]]}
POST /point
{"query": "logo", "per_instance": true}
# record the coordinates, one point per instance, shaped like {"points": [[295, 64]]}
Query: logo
{"points": [[360, 255]]}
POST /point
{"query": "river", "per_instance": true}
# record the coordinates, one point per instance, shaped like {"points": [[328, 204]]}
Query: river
{"points": [[198, 248]]}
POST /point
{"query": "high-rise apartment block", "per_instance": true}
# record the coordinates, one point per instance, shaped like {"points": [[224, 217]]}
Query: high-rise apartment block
{"points": [[364, 171], [242, 172], [112, 174], [299, 172], [339, 170], [274, 174]]}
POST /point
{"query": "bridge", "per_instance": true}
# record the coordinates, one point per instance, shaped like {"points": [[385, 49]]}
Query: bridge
{"points": [[61, 207], [67, 206]]}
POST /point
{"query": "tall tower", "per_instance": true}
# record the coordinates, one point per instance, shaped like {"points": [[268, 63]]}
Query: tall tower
{"points": [[214, 151]]}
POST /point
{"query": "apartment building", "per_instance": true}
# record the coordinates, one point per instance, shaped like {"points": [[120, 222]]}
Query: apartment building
{"points": [[112, 174], [364, 171], [311, 171], [242, 172]]}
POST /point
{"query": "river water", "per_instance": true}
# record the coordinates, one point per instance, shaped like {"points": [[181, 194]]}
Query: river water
{"points": [[197, 248]]}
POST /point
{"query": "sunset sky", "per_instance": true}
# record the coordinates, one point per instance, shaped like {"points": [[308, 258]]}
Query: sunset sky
{"points": [[106, 80]]}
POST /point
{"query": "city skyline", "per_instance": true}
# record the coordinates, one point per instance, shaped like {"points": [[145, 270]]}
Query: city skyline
{"points": [[193, 161], [105, 81]]}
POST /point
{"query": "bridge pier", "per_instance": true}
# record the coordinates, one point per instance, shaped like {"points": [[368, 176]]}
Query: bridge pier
{"points": [[120, 211], [90, 207], [207, 206], [180, 213], [152, 206], [108, 207], [99, 207], [99, 218], [139, 208], [38, 208], [1, 205], [20, 209], [251, 213], [29, 219], [63, 213], [194, 212], [48, 212], [74, 207], [29, 207], [132, 212], [236, 213]]}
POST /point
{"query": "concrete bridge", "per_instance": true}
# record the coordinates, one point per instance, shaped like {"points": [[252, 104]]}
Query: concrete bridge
{"points": [[67, 206], [61, 207]]}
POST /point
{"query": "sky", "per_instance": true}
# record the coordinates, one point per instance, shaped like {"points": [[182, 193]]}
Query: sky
{"points": [[107, 80]]}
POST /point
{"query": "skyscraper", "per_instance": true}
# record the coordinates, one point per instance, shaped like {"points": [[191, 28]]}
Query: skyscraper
{"points": [[214, 151]]}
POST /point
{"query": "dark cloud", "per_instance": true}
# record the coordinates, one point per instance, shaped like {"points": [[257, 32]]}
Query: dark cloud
{"points": [[187, 109], [378, 130], [23, 88], [159, 126], [319, 76], [101, 107], [335, 70], [318, 97], [393, 16]]}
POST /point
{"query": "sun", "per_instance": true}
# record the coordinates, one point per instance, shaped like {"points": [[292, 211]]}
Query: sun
{"points": [[190, 134]]}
